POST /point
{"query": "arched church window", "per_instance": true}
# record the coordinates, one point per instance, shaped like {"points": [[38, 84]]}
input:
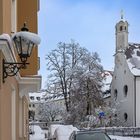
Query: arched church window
{"points": [[124, 71], [125, 116], [125, 27], [115, 94], [121, 28], [125, 90]]}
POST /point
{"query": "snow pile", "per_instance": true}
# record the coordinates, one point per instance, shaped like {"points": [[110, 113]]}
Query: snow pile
{"points": [[6, 37], [52, 129], [63, 132], [122, 138], [38, 135], [28, 36]]}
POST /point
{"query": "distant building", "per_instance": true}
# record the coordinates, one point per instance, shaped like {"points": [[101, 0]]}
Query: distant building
{"points": [[42, 98], [125, 86], [35, 99]]}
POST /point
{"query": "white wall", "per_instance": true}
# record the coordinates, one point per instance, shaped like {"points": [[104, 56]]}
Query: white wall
{"points": [[122, 76], [138, 101]]}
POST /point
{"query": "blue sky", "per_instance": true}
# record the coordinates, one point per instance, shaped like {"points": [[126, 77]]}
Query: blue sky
{"points": [[89, 22]]}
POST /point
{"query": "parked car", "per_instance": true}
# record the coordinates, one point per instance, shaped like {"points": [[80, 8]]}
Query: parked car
{"points": [[89, 135]]}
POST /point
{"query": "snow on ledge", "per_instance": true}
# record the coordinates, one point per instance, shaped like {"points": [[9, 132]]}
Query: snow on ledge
{"points": [[28, 36], [6, 37]]}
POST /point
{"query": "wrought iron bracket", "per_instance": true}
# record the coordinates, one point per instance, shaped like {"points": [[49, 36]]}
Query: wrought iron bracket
{"points": [[11, 68]]}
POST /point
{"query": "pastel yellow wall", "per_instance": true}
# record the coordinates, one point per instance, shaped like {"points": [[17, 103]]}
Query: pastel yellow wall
{"points": [[30, 17], [25, 122], [26, 12], [6, 106], [5, 16]]}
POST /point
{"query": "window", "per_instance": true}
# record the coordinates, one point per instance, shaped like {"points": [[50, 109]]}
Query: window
{"points": [[121, 28], [32, 97], [125, 116], [124, 71], [115, 94], [33, 105], [125, 90], [38, 98], [29, 105], [125, 28]]}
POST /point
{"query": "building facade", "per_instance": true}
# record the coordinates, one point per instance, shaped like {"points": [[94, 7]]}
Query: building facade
{"points": [[14, 90], [126, 79], [43, 101]]}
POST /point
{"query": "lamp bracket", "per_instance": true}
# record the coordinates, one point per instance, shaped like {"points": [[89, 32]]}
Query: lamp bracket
{"points": [[11, 68]]}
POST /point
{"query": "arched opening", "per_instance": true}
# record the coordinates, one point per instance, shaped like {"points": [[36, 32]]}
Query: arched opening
{"points": [[115, 94], [125, 90], [121, 28], [125, 116]]}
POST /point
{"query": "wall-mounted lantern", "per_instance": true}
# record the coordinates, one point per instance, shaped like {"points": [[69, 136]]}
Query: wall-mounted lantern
{"points": [[24, 42]]}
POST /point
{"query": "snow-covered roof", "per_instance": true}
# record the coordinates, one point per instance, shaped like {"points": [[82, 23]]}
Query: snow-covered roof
{"points": [[54, 97], [132, 54], [43, 97], [37, 96], [6, 37]]}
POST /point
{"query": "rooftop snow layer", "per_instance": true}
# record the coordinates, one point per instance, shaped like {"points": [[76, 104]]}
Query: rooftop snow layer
{"points": [[132, 54]]}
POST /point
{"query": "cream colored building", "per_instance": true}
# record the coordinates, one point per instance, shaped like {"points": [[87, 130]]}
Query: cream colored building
{"points": [[14, 90]]}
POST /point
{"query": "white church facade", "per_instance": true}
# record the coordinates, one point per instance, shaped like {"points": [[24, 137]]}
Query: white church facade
{"points": [[125, 87]]}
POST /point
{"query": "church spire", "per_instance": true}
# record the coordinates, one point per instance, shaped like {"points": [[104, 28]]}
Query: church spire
{"points": [[122, 14]]}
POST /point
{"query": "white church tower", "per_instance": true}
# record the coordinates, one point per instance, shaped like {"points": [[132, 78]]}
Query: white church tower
{"points": [[121, 34], [123, 85]]}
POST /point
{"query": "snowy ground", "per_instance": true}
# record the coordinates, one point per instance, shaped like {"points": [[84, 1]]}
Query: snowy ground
{"points": [[123, 138], [40, 135]]}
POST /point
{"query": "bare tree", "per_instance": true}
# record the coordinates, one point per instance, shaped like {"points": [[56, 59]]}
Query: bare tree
{"points": [[49, 112], [75, 71], [62, 62]]}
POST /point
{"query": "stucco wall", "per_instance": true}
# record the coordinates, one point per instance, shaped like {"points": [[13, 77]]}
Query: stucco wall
{"points": [[124, 104], [5, 16], [9, 110], [30, 17], [137, 101]]}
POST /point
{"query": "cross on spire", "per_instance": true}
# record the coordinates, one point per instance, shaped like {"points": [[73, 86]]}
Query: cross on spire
{"points": [[122, 14]]}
